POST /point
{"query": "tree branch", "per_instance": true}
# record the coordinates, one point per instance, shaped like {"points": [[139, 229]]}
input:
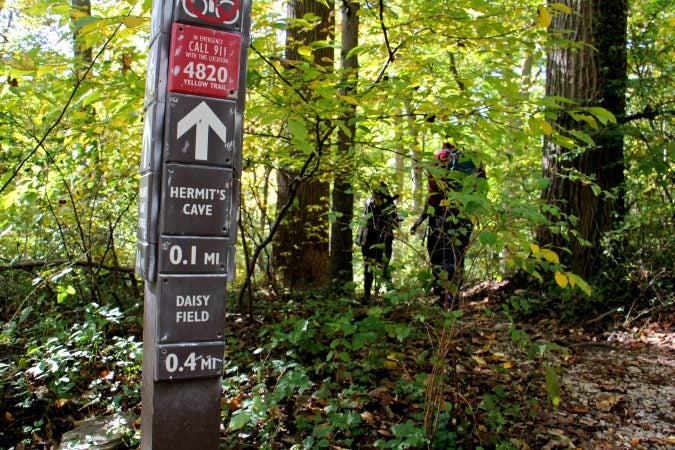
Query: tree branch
{"points": [[304, 174], [29, 265], [649, 113], [62, 114]]}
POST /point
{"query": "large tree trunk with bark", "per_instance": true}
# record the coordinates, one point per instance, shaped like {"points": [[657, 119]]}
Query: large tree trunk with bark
{"points": [[301, 244], [591, 72], [341, 241]]}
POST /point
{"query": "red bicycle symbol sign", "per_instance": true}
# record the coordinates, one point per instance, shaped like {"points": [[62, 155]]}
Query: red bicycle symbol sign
{"points": [[213, 11]]}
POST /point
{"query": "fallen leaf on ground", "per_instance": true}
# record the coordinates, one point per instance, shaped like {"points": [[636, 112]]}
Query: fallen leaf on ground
{"points": [[480, 361], [576, 408], [605, 402], [368, 417]]}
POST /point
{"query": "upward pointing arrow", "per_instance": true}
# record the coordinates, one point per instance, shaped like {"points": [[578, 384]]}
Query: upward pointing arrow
{"points": [[147, 144], [203, 118]]}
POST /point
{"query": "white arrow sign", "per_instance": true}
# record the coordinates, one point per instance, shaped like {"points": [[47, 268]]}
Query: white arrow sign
{"points": [[204, 119], [146, 149]]}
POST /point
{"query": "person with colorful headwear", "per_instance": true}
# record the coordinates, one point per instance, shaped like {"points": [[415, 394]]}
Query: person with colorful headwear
{"points": [[449, 229]]}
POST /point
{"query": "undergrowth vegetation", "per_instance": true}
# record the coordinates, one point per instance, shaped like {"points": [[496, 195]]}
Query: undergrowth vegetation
{"points": [[309, 371], [334, 372]]}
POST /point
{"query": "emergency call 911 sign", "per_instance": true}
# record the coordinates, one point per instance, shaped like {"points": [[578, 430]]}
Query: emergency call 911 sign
{"points": [[203, 61]]}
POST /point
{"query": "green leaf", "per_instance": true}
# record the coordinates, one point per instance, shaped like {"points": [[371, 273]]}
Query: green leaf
{"points": [[552, 385], [487, 237], [590, 120], [92, 97], [580, 135], [577, 280], [239, 419], [603, 115], [543, 182], [297, 130]]}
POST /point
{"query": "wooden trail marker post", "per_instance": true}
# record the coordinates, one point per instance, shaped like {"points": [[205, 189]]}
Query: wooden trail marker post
{"points": [[187, 214]]}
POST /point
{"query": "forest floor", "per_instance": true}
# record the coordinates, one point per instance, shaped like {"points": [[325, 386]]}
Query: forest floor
{"points": [[613, 378], [617, 379]]}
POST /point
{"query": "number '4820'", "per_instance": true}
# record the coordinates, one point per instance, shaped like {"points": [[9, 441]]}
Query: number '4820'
{"points": [[208, 72]]}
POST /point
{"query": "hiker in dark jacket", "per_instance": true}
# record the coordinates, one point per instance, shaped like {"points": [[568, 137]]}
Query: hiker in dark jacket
{"points": [[377, 237], [449, 229]]}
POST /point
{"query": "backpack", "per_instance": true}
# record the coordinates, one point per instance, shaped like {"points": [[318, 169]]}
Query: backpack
{"points": [[453, 164], [362, 230], [361, 235]]}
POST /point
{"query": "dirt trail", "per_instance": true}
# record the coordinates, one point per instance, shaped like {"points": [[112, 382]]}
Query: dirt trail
{"points": [[617, 384]]}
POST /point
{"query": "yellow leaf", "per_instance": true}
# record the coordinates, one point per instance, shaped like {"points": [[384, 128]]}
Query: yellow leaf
{"points": [[572, 281], [605, 402], [10, 199], [369, 418], [395, 356], [60, 403], [43, 70], [480, 361], [534, 248], [349, 99], [75, 14], [550, 256], [389, 364], [134, 22], [561, 279], [546, 127], [498, 356], [543, 17], [305, 50], [561, 7], [507, 365]]}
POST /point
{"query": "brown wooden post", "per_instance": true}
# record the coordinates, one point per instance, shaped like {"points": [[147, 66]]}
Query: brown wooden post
{"points": [[188, 205]]}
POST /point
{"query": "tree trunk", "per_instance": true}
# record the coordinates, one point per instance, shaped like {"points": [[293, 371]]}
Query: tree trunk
{"points": [[591, 78], [341, 242], [611, 23], [417, 175], [301, 244]]}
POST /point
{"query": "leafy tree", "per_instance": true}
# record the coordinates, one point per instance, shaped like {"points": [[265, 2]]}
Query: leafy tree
{"points": [[69, 144], [586, 68], [301, 245]]}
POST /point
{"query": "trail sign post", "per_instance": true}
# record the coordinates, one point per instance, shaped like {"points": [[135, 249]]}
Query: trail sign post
{"points": [[187, 210]]}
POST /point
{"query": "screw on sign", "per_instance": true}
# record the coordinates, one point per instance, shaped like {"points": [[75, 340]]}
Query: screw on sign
{"points": [[212, 11]]}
